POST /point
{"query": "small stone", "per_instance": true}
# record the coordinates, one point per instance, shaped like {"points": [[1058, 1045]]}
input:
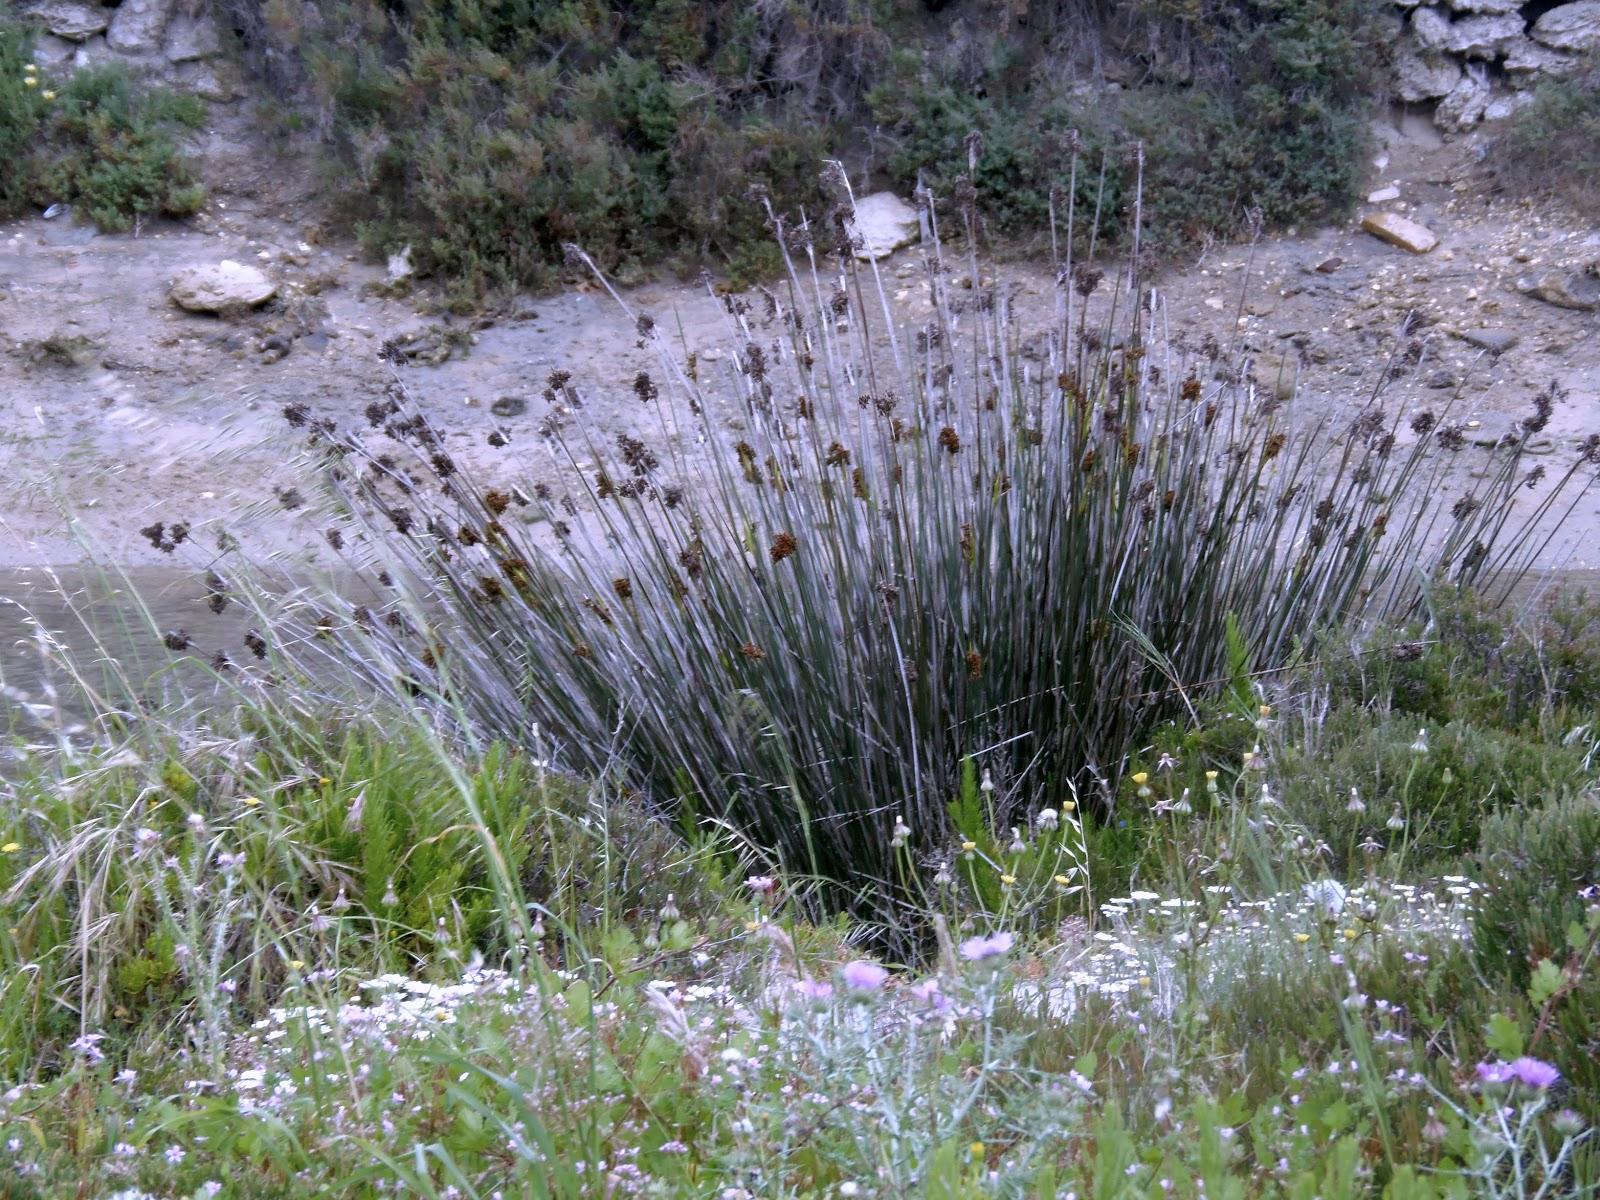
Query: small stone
{"points": [[1495, 341], [1564, 289], [71, 21], [509, 406], [1570, 26], [1400, 231], [1329, 265], [1383, 195], [221, 287], [884, 223]]}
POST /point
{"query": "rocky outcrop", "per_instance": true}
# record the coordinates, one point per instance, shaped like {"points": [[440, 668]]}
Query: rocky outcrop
{"points": [[884, 223], [1477, 58], [172, 43]]}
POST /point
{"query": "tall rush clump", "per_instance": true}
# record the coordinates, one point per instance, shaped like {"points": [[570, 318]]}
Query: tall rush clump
{"points": [[918, 546]]}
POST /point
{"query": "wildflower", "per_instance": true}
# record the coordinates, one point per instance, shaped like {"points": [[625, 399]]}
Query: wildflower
{"points": [[1356, 804], [1166, 764], [1395, 822], [89, 1046], [10, 848], [1068, 805], [988, 782], [1018, 846], [976, 1151], [928, 992], [1535, 1073], [296, 965], [1211, 782], [902, 831], [1007, 880], [1254, 760], [29, 81], [1263, 717], [1141, 780], [1567, 1123], [1351, 935], [389, 898], [762, 885], [981, 949], [174, 1155], [1047, 819], [47, 94], [1434, 1131], [1420, 746], [1302, 938], [942, 877], [669, 910], [863, 976], [967, 849], [1181, 805], [1062, 880]]}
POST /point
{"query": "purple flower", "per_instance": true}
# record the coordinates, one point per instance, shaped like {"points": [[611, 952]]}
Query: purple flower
{"points": [[928, 992], [1494, 1072], [863, 976], [813, 989], [980, 949], [1531, 1072]]}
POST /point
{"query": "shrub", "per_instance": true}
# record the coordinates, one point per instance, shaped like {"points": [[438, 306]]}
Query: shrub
{"points": [[109, 147], [22, 109], [904, 558], [1553, 144]]}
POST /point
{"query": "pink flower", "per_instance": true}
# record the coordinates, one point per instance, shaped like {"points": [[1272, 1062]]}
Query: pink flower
{"points": [[1494, 1072], [863, 976], [928, 992], [813, 989], [980, 949]]}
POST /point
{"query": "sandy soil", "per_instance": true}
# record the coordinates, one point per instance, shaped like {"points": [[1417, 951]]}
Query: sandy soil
{"points": [[165, 415]]}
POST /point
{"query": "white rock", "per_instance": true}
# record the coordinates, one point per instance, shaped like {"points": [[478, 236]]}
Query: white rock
{"points": [[1425, 75], [1400, 231], [1502, 107], [1467, 102], [1383, 195], [1496, 7], [1571, 26], [884, 223], [1431, 28], [1484, 37], [224, 285], [50, 51], [400, 265], [138, 25], [191, 38], [73, 21], [1527, 61]]}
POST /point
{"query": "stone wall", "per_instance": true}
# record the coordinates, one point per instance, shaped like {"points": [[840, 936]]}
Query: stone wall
{"points": [[173, 42], [1476, 60]]}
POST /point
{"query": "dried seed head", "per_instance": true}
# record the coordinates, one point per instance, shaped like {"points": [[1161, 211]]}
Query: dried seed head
{"points": [[752, 651], [950, 440], [177, 639], [623, 587], [974, 662], [783, 545], [1273, 447], [255, 643]]}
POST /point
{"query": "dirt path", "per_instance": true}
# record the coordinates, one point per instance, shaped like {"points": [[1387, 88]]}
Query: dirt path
{"points": [[118, 408]]}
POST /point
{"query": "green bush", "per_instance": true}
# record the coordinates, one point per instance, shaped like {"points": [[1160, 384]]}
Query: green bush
{"points": [[1552, 145], [108, 147], [22, 109]]}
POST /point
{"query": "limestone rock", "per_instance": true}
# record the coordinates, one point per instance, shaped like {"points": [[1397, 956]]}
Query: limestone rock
{"points": [[1527, 61], [1431, 28], [192, 38], [1495, 7], [1570, 27], [1502, 107], [1383, 195], [1485, 37], [1400, 231], [220, 287], [50, 51], [1564, 289], [1467, 102], [138, 25], [72, 21], [884, 223], [1423, 76]]}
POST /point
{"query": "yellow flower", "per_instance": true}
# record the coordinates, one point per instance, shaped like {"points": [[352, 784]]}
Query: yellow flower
{"points": [[48, 94], [968, 847], [1141, 777], [324, 781], [1302, 938], [1266, 710], [30, 81], [296, 965], [1068, 805], [441, 1013], [976, 1150], [249, 801], [1007, 880], [1212, 776], [28, 68], [1063, 880], [10, 848], [1144, 981], [1350, 935]]}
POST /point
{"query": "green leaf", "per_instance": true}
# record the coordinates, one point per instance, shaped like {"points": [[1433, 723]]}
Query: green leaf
{"points": [[1546, 982], [1504, 1036]]}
